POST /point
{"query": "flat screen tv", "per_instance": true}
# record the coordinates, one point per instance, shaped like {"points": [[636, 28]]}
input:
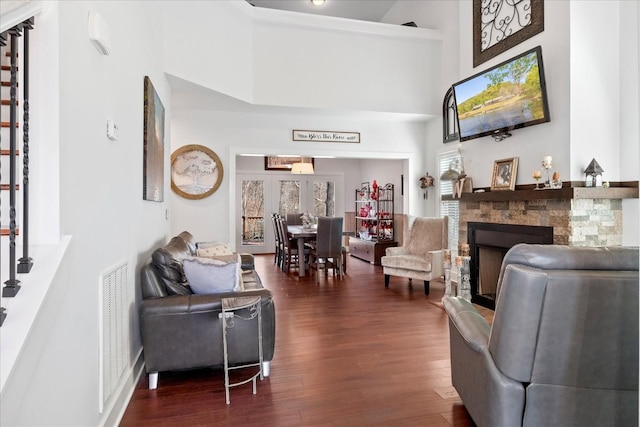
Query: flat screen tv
{"points": [[509, 96]]}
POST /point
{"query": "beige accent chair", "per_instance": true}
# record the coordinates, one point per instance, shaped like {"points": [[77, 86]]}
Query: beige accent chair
{"points": [[422, 253]]}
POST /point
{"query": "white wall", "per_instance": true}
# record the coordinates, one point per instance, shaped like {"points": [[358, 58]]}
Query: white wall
{"points": [[101, 206], [592, 85], [100, 182], [595, 88], [229, 134], [305, 65], [629, 113], [210, 43]]}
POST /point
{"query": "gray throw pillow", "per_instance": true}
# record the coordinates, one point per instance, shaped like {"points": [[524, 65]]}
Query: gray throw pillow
{"points": [[211, 276]]}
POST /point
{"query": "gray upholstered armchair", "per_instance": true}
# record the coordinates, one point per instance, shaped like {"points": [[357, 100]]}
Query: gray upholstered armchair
{"points": [[563, 346], [421, 255]]}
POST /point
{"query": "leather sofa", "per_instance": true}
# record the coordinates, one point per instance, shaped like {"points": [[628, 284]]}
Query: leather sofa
{"points": [[563, 346], [182, 330]]}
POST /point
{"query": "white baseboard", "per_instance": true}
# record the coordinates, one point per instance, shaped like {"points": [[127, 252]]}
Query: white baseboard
{"points": [[117, 406]]}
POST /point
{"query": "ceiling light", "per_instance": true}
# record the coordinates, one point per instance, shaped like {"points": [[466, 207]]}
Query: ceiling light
{"points": [[317, 2]]}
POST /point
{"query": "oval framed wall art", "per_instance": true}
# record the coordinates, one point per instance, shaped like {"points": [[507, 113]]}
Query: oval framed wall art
{"points": [[196, 171]]}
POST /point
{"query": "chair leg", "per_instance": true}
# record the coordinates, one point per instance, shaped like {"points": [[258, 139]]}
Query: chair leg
{"points": [[344, 263], [426, 287], [386, 280]]}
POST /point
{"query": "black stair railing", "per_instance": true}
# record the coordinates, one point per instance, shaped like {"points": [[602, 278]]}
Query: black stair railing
{"points": [[3, 311], [12, 285], [25, 262]]}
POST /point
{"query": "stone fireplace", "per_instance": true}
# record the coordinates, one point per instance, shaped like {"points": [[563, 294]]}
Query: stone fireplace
{"points": [[494, 221]]}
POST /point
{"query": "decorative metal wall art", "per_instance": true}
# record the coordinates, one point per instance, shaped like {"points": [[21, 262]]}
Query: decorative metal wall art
{"points": [[498, 25]]}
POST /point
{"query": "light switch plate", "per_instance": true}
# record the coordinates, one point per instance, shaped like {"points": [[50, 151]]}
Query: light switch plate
{"points": [[112, 130]]}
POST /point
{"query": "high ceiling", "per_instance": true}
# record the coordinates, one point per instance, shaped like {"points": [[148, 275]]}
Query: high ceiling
{"points": [[189, 95], [364, 10]]}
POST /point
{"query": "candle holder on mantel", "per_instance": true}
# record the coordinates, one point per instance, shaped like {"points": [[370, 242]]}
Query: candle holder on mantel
{"points": [[547, 164], [537, 176]]}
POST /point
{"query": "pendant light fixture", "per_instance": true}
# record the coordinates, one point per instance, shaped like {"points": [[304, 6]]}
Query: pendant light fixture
{"points": [[302, 168]]}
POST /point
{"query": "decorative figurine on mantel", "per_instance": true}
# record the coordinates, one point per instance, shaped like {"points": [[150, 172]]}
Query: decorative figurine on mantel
{"points": [[537, 176], [593, 175]]}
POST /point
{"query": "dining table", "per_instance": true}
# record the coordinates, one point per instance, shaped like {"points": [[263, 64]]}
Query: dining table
{"points": [[302, 234]]}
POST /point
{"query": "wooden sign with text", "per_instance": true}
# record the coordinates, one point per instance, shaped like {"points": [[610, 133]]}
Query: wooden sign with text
{"points": [[325, 136]]}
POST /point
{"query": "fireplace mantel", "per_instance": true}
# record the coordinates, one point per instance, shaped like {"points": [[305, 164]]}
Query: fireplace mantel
{"points": [[572, 215], [580, 216], [569, 190]]}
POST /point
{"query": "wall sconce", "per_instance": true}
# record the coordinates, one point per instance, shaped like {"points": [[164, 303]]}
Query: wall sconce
{"points": [[593, 175], [426, 181], [302, 169]]}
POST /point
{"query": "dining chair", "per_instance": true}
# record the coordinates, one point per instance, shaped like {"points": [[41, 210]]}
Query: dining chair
{"points": [[290, 256], [277, 258], [328, 249]]}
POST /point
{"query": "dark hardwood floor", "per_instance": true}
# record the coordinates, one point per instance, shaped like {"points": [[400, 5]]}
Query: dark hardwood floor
{"points": [[348, 353]]}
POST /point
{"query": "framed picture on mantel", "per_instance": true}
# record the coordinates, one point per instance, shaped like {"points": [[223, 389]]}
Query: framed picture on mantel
{"points": [[504, 174]]}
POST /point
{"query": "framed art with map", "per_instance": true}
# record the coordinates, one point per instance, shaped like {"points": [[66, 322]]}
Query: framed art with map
{"points": [[196, 171]]}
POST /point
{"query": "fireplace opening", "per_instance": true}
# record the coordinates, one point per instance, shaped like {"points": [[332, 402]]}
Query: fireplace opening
{"points": [[488, 244]]}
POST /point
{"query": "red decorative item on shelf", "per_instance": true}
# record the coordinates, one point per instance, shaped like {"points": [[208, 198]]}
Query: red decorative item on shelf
{"points": [[374, 193]]}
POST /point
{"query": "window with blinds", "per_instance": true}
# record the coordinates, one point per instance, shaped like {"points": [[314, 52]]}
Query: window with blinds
{"points": [[449, 208]]}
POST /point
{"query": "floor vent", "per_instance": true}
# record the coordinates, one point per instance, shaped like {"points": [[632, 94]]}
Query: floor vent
{"points": [[113, 328]]}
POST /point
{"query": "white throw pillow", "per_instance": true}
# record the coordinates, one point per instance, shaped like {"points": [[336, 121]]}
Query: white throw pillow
{"points": [[214, 250], [211, 276]]}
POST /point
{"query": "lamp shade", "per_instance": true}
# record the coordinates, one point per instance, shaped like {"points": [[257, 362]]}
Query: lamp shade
{"points": [[302, 168], [450, 175]]}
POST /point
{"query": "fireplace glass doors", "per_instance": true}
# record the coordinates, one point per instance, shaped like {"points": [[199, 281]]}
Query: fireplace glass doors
{"points": [[488, 244]]}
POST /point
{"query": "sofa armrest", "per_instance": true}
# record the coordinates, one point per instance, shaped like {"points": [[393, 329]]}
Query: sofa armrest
{"points": [[395, 250], [187, 304], [471, 326]]}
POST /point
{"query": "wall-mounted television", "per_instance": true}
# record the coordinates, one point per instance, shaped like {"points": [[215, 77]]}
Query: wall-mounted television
{"points": [[509, 96]]}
